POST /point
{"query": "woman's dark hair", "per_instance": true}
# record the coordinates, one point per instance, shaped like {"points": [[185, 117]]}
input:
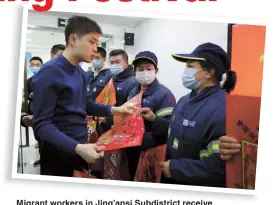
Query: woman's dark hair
{"points": [[231, 76]]}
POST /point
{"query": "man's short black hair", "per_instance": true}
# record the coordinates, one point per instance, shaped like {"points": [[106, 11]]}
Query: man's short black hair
{"points": [[102, 52], [81, 26], [118, 52], [36, 58], [57, 48]]}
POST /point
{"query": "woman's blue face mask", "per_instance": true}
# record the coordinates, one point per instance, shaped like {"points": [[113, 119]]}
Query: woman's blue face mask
{"points": [[189, 80]]}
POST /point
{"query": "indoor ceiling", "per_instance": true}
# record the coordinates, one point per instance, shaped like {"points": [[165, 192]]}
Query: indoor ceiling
{"points": [[40, 39], [108, 19]]}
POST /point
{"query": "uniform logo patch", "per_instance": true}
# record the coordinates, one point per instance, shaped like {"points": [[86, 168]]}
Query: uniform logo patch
{"points": [[189, 123]]}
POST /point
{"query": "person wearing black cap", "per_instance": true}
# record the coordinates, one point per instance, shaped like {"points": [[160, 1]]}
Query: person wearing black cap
{"points": [[198, 120], [156, 96]]}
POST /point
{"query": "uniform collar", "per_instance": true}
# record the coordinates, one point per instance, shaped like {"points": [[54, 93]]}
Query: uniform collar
{"points": [[152, 88], [105, 67], [102, 73], [195, 97]]}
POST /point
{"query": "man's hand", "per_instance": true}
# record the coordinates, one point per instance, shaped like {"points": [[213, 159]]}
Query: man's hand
{"points": [[89, 152], [228, 147], [27, 120], [147, 114], [127, 108], [165, 168]]}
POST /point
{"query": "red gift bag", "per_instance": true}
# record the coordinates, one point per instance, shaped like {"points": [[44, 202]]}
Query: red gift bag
{"points": [[116, 165], [148, 169], [127, 131]]}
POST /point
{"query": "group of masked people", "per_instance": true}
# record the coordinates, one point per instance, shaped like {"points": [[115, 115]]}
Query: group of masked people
{"points": [[193, 129]]}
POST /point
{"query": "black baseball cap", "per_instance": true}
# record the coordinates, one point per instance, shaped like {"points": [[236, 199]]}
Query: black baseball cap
{"points": [[207, 52], [148, 55]]}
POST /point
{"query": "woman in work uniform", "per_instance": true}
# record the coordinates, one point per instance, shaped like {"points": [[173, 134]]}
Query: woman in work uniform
{"points": [[198, 120], [156, 96]]}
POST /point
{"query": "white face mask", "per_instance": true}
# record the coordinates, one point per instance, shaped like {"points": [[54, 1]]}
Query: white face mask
{"points": [[145, 77]]}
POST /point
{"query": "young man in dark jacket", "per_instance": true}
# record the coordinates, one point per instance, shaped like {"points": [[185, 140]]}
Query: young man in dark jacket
{"points": [[101, 75], [124, 81], [61, 103]]}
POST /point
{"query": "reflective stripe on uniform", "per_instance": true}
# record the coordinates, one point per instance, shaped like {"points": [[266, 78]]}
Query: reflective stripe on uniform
{"points": [[173, 118], [212, 147], [164, 112]]}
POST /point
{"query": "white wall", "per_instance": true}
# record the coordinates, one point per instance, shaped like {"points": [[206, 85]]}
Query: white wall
{"points": [[40, 42], [166, 37]]}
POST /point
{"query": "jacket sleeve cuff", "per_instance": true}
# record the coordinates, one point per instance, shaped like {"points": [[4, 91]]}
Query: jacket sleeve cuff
{"points": [[110, 110], [71, 146], [173, 168]]}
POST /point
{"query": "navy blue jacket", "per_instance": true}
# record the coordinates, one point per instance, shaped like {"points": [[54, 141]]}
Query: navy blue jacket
{"points": [[161, 101], [89, 76], [197, 122], [97, 83], [124, 82], [61, 104]]}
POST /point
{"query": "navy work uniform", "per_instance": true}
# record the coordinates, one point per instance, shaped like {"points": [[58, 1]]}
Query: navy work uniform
{"points": [[161, 101], [197, 122], [97, 84], [124, 82]]}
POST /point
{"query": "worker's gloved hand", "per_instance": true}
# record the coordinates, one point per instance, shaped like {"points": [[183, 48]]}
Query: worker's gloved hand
{"points": [[89, 152], [228, 147], [27, 120], [127, 108], [147, 114]]}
